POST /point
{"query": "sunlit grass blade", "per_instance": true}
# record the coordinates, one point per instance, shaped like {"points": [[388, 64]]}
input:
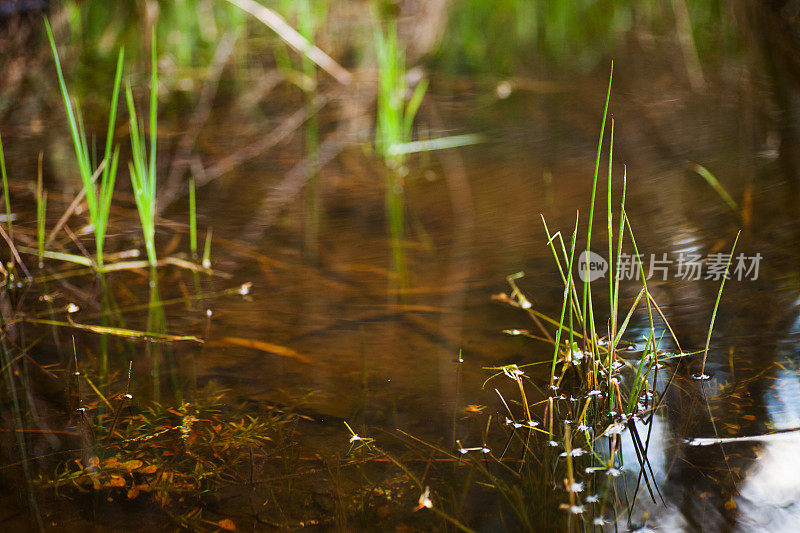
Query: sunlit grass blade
{"points": [[143, 167], [192, 220], [60, 256], [702, 374], [119, 332], [412, 107], [565, 302], [586, 282], [429, 145], [41, 215], [712, 180], [206, 262], [6, 196]]}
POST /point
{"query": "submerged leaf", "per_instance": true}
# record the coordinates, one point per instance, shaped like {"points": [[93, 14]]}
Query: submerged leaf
{"points": [[267, 347], [227, 524]]}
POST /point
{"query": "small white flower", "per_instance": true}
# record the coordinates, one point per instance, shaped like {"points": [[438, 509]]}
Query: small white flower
{"points": [[576, 452], [72, 308], [425, 500]]}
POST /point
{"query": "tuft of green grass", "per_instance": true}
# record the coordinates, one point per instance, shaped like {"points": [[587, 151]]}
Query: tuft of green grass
{"points": [[98, 197], [143, 168], [395, 118], [608, 394]]}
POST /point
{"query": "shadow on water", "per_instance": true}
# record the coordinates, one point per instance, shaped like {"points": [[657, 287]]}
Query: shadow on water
{"points": [[332, 330]]}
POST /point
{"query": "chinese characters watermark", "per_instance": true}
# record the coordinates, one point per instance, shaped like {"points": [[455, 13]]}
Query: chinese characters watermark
{"points": [[686, 266]]}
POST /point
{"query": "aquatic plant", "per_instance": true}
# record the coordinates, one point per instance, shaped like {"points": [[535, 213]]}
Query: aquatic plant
{"points": [[143, 168], [395, 118], [172, 454], [308, 16], [599, 388], [98, 197], [592, 391]]}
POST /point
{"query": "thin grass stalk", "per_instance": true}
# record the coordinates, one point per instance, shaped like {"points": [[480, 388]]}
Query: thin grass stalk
{"points": [[613, 340], [574, 292], [206, 262], [192, 220], [6, 196], [611, 259], [716, 306], [564, 303], [41, 216], [650, 343], [641, 273], [143, 168], [586, 283]]}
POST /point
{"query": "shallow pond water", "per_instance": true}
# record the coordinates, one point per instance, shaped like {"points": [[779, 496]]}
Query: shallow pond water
{"points": [[330, 333]]}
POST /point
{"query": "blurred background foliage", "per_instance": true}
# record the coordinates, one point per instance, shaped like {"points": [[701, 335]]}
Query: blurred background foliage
{"points": [[499, 38], [492, 38]]}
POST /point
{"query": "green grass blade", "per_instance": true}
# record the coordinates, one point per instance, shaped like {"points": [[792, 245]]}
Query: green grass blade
{"points": [[153, 118], [73, 124], [586, 283], [565, 301], [716, 306], [412, 107], [41, 214], [712, 180], [5, 190], [207, 250], [112, 111], [192, 220]]}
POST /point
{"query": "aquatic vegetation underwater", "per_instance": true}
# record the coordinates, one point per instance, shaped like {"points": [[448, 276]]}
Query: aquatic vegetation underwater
{"points": [[179, 455]]}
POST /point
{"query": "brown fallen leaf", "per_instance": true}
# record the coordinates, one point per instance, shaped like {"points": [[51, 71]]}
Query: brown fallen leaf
{"points": [[133, 464]]}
